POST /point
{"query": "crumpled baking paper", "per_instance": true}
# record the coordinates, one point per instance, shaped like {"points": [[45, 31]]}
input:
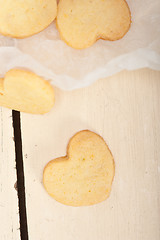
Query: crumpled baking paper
{"points": [[68, 68]]}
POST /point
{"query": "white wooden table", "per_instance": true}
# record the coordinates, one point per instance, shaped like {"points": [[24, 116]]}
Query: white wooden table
{"points": [[125, 110]]}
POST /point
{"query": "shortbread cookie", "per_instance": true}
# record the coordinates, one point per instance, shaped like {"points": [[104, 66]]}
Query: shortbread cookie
{"points": [[22, 19], [26, 92], [82, 22], [85, 175]]}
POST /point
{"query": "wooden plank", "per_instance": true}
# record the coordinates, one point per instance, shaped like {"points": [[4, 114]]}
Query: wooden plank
{"points": [[9, 212], [125, 110]]}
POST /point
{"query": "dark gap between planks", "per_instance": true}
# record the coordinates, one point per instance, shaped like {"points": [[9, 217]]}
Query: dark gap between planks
{"points": [[20, 175]]}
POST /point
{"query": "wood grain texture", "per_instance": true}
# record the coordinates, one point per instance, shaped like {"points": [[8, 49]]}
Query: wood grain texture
{"points": [[125, 110], [9, 216]]}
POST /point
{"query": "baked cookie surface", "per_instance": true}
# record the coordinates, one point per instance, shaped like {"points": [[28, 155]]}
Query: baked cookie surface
{"points": [[22, 19], [82, 22], [26, 92], [84, 177]]}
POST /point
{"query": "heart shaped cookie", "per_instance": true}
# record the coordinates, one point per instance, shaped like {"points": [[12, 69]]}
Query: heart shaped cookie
{"points": [[82, 22], [26, 92], [22, 19], [85, 175]]}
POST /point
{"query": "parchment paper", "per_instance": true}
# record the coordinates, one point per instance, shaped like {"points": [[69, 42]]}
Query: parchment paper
{"points": [[68, 69]]}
